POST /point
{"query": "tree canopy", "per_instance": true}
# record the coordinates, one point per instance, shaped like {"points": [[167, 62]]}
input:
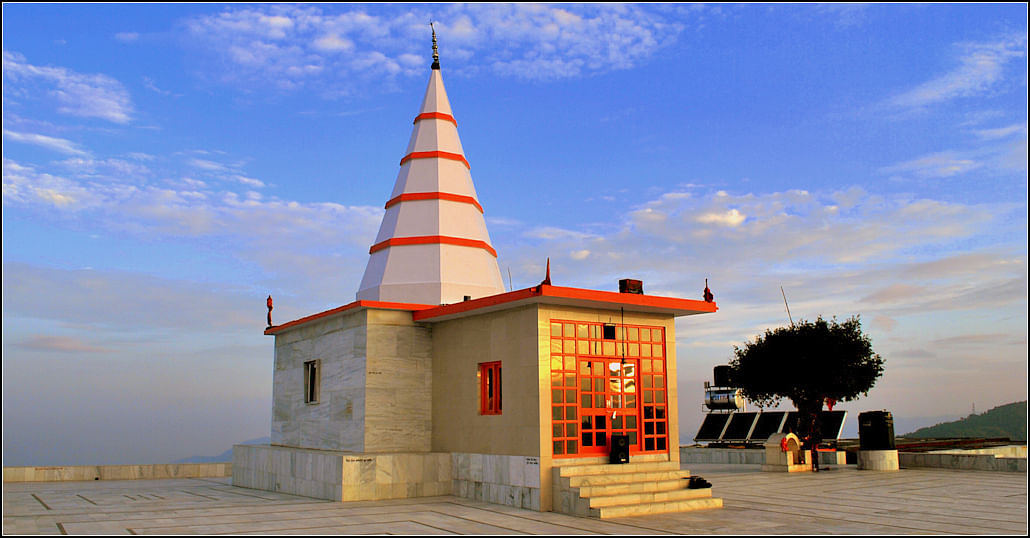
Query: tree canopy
{"points": [[806, 363]]}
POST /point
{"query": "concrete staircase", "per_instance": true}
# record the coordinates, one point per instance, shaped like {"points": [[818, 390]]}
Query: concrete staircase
{"points": [[630, 489]]}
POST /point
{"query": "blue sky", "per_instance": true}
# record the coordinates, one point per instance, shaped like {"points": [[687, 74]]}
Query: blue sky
{"points": [[165, 167]]}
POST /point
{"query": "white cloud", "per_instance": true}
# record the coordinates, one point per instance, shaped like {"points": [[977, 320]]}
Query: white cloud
{"points": [[581, 254], [731, 218], [26, 186], [284, 44], [551, 232], [117, 169], [123, 200], [77, 94], [503, 221], [249, 181], [205, 164], [808, 236], [333, 42], [57, 144], [981, 68]]}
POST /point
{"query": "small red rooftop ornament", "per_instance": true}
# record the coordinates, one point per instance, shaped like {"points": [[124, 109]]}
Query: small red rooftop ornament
{"points": [[547, 277], [708, 293], [269, 303]]}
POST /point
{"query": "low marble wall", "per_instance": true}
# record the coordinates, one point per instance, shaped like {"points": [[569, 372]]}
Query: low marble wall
{"points": [[116, 472], [751, 456], [499, 479], [341, 476], [952, 460], [1009, 451], [878, 460]]}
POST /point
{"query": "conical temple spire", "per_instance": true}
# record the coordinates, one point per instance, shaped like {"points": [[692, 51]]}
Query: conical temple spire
{"points": [[433, 246]]}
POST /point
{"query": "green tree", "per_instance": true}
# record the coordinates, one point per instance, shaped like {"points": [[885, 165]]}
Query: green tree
{"points": [[807, 363]]}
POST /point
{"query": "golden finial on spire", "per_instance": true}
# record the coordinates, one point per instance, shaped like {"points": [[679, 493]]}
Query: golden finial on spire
{"points": [[436, 53]]}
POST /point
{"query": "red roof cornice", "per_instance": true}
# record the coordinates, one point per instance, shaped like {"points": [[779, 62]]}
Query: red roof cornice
{"points": [[542, 294], [559, 295], [274, 329]]}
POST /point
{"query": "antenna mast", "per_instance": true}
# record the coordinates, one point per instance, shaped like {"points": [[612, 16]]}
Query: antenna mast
{"points": [[786, 305]]}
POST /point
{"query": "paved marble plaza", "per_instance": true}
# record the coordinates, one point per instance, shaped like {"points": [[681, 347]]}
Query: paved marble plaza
{"points": [[840, 501]]}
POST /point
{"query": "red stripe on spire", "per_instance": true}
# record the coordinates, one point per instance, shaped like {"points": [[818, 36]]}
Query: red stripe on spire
{"points": [[435, 116], [433, 240], [412, 196], [436, 154]]}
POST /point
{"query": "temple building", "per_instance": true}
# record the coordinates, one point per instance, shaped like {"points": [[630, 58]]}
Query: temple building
{"points": [[436, 381]]}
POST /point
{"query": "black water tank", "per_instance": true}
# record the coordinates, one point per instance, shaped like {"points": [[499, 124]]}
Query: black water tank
{"points": [[876, 430], [721, 376]]}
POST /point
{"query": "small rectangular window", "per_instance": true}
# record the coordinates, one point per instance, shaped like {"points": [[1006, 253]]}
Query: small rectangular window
{"points": [[490, 388], [312, 380]]}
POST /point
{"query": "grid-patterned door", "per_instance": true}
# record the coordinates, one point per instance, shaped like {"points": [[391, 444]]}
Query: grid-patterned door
{"points": [[607, 402]]}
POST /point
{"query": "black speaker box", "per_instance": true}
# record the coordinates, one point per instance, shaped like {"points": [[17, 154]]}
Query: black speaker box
{"points": [[620, 449]]}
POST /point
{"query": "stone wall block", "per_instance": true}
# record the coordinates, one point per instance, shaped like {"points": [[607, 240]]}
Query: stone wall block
{"points": [[384, 469], [476, 467]]}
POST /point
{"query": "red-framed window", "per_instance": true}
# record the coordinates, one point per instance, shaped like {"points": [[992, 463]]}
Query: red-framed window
{"points": [[490, 388]]}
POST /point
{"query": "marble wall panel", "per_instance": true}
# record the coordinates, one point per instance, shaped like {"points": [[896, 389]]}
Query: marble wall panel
{"points": [[501, 479], [398, 377], [340, 475], [336, 422]]}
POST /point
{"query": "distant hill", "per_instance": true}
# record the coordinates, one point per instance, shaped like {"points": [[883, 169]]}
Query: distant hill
{"points": [[1003, 421], [224, 456]]}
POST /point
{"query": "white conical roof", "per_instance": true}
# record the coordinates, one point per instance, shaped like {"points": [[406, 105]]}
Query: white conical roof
{"points": [[432, 247]]}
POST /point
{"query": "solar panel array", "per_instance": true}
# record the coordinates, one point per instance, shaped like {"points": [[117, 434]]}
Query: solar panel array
{"points": [[711, 428], [751, 427]]}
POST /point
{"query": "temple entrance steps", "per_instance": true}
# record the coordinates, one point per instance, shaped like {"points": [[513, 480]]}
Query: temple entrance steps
{"points": [[630, 489]]}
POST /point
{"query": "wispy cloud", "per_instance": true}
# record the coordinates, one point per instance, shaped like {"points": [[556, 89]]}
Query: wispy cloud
{"points": [[804, 239], [288, 46], [85, 299], [57, 144], [24, 185], [980, 69], [77, 94], [122, 198], [65, 344], [938, 165], [1001, 132], [844, 15]]}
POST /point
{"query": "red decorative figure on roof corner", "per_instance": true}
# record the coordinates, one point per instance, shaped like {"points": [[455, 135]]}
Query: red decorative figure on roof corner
{"points": [[269, 303], [708, 293], [547, 278]]}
